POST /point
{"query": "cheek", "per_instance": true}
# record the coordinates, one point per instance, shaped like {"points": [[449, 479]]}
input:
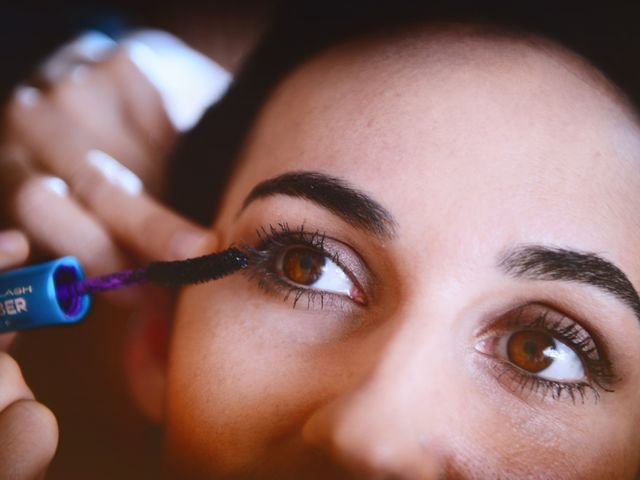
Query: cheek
{"points": [[242, 373], [611, 440], [246, 373], [516, 437]]}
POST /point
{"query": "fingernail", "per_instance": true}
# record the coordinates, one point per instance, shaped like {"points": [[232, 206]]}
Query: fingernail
{"points": [[116, 173], [27, 96], [12, 247], [56, 185], [187, 81], [89, 47], [187, 244], [92, 45]]}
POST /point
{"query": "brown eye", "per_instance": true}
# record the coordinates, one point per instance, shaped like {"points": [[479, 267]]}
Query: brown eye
{"points": [[528, 350], [303, 266]]}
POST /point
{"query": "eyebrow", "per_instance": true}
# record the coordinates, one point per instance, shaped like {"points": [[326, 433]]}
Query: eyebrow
{"points": [[334, 194], [539, 262]]}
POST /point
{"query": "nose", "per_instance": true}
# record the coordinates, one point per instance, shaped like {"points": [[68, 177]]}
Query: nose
{"points": [[373, 445], [388, 425]]}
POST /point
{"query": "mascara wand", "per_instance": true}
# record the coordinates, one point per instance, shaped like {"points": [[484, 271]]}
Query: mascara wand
{"points": [[56, 292], [168, 274]]}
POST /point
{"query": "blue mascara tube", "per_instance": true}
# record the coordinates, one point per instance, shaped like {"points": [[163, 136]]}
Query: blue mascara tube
{"points": [[31, 297], [57, 292]]}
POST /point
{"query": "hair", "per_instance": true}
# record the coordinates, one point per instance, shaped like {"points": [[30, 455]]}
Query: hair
{"points": [[605, 35]]}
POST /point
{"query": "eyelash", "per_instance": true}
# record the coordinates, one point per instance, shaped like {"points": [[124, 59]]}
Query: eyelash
{"points": [[597, 368], [272, 242]]}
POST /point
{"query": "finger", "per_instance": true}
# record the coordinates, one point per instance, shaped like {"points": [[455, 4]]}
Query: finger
{"points": [[141, 104], [29, 436], [14, 248], [148, 228], [119, 110], [12, 384], [89, 47], [58, 224], [55, 221], [91, 104], [110, 190]]}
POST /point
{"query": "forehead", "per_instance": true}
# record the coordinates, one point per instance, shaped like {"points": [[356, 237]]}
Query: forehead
{"points": [[461, 129]]}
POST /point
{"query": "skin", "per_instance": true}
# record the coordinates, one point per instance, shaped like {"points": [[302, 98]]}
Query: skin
{"points": [[475, 143], [56, 203], [47, 183]]}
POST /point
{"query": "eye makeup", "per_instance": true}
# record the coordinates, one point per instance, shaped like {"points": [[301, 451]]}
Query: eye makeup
{"points": [[538, 350], [307, 268], [533, 349]]}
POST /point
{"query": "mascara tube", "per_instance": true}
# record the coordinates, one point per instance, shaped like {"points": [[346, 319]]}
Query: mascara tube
{"points": [[34, 296], [57, 293]]}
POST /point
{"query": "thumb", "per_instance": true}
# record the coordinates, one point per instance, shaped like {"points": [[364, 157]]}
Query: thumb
{"points": [[30, 434]]}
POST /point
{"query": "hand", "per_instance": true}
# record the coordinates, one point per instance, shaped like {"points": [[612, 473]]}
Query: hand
{"points": [[83, 164], [28, 429]]}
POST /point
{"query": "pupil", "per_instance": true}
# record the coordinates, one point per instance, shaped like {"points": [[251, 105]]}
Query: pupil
{"points": [[530, 348], [526, 350], [302, 265], [306, 262]]}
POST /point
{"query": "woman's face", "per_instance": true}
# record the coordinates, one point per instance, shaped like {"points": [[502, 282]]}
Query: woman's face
{"points": [[444, 287]]}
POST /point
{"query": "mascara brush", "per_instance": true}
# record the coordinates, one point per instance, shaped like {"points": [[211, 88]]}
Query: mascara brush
{"points": [[56, 292]]}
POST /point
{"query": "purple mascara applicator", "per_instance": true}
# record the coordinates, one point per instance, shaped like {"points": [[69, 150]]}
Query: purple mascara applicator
{"points": [[57, 292]]}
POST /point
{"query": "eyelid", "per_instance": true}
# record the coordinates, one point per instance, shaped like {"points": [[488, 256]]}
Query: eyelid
{"points": [[348, 258], [345, 254], [523, 317], [610, 324], [274, 241], [529, 316]]}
